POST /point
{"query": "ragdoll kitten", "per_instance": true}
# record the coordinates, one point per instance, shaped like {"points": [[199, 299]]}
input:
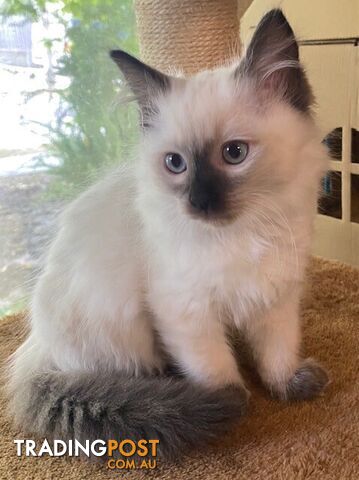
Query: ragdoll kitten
{"points": [[208, 229]]}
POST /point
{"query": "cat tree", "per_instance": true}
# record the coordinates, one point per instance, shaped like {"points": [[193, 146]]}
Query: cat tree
{"points": [[190, 35]]}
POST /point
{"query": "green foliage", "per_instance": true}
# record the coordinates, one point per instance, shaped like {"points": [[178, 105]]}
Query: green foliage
{"points": [[29, 8], [14, 308], [91, 131], [97, 132]]}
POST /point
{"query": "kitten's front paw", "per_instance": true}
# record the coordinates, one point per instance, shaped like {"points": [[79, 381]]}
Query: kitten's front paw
{"points": [[309, 381]]}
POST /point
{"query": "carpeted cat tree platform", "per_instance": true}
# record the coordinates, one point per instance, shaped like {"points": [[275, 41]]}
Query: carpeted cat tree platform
{"points": [[312, 440]]}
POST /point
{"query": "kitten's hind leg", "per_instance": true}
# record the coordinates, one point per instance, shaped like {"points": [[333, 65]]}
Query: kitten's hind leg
{"points": [[275, 340]]}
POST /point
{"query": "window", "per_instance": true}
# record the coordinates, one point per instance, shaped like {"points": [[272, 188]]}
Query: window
{"points": [[63, 124], [354, 198], [330, 202]]}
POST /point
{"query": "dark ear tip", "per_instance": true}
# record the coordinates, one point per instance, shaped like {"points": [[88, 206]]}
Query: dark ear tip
{"points": [[116, 54], [277, 18], [276, 14]]}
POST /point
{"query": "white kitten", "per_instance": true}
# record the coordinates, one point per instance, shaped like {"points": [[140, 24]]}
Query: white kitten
{"points": [[209, 228]]}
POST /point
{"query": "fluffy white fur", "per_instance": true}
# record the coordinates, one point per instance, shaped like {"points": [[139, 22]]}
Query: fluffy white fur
{"points": [[131, 274]]}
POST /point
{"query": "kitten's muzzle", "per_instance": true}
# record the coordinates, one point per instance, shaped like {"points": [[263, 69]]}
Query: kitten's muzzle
{"points": [[207, 199], [204, 195], [199, 202]]}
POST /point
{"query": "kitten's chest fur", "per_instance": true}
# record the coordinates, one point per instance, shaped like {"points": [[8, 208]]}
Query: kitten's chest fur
{"points": [[239, 276]]}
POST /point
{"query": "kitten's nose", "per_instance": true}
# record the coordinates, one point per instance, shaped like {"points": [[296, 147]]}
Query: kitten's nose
{"points": [[199, 200]]}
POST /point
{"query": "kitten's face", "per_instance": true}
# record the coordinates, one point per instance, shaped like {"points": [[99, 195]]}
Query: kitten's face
{"points": [[215, 143], [203, 145]]}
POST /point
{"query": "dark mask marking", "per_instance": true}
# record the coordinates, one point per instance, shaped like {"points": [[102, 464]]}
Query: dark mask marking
{"points": [[209, 187]]}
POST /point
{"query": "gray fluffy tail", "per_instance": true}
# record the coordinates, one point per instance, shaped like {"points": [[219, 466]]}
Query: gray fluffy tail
{"points": [[90, 406]]}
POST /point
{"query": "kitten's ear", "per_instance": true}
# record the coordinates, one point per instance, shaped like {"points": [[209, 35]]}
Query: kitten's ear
{"points": [[145, 82], [272, 60]]}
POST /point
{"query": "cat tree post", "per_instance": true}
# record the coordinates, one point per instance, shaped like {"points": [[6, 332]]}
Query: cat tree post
{"points": [[189, 35]]}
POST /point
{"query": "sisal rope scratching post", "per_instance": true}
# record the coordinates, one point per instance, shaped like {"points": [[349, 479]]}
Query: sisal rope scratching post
{"points": [[189, 35]]}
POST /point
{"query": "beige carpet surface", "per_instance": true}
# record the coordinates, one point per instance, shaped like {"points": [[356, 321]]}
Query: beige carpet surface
{"points": [[313, 440]]}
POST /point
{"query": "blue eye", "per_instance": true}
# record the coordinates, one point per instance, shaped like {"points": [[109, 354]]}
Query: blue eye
{"points": [[235, 152], [175, 163]]}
